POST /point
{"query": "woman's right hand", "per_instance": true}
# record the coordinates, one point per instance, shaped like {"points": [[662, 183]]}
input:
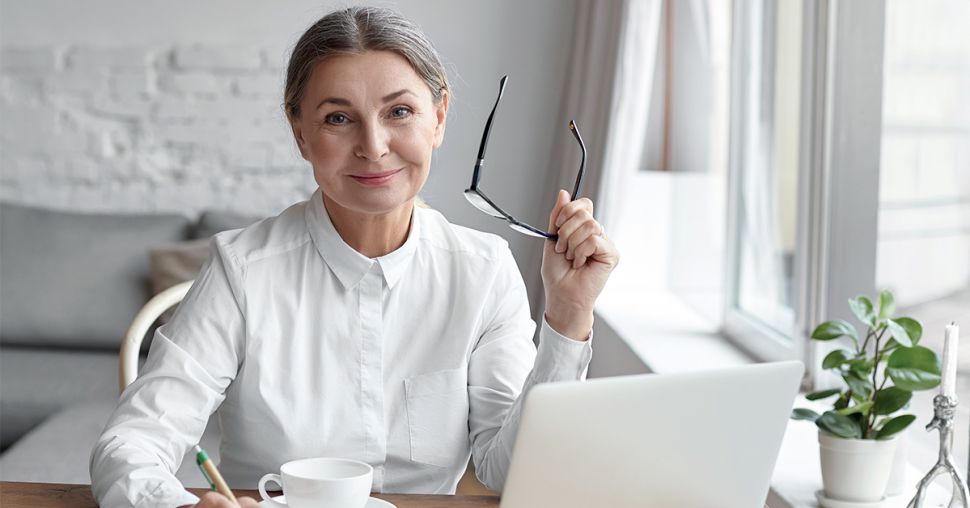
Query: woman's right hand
{"points": [[216, 500]]}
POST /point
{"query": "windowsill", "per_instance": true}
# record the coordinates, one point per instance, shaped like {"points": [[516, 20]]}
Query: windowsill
{"points": [[665, 335], [663, 332]]}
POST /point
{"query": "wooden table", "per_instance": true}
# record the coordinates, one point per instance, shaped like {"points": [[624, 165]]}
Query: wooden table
{"points": [[59, 495]]}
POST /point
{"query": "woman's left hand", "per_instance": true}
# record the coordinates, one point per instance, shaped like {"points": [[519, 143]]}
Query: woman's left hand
{"points": [[575, 269]]}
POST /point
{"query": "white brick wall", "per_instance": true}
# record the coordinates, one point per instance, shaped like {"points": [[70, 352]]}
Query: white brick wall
{"points": [[147, 128], [225, 58]]}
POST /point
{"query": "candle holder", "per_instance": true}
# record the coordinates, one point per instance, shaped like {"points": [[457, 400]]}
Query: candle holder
{"points": [[944, 408]]}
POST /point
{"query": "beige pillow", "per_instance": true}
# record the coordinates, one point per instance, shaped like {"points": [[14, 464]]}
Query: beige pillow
{"points": [[177, 262], [174, 263]]}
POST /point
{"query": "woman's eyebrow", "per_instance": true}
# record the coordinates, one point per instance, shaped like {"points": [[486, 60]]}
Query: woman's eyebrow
{"points": [[395, 95], [334, 100], [344, 102]]}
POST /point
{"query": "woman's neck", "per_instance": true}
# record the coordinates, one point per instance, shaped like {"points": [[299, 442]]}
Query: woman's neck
{"points": [[371, 235]]}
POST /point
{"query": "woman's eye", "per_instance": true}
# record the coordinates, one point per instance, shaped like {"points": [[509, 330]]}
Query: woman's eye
{"points": [[400, 112], [337, 119]]}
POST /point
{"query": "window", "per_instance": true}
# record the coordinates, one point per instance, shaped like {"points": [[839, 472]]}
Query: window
{"points": [[684, 156], [923, 242], [687, 123], [834, 188], [764, 199], [837, 189]]}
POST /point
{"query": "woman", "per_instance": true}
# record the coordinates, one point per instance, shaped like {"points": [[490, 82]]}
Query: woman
{"points": [[356, 324]]}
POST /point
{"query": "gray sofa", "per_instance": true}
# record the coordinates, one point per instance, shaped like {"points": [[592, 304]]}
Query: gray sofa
{"points": [[70, 284]]}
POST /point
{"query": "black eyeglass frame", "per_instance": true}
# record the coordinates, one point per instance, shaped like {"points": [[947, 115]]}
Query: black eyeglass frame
{"points": [[479, 200]]}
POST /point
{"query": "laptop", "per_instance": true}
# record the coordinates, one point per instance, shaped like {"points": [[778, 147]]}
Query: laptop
{"points": [[698, 439]]}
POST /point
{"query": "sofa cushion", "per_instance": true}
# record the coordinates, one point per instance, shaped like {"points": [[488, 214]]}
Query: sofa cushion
{"points": [[212, 222], [173, 264], [59, 450], [72, 279], [38, 382], [177, 262]]}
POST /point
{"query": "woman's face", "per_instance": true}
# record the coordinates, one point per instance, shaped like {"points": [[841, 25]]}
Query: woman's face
{"points": [[368, 124]]}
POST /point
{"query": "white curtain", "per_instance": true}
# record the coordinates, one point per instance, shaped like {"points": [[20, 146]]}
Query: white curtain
{"points": [[608, 90]]}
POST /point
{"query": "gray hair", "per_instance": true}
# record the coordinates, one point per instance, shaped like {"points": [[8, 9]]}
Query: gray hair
{"points": [[354, 31]]}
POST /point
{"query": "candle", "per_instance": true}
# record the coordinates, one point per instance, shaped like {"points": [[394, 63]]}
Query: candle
{"points": [[948, 386]]}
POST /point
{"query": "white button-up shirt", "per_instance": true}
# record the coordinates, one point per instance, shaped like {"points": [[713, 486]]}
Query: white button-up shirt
{"points": [[410, 362]]}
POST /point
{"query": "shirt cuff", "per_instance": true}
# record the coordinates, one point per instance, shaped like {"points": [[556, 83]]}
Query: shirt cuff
{"points": [[560, 358], [168, 495], [149, 493]]}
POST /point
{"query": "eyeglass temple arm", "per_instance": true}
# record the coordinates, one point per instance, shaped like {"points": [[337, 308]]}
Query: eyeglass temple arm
{"points": [[582, 165], [488, 128]]}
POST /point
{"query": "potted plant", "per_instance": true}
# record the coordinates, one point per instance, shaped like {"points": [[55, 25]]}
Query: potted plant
{"points": [[881, 370]]}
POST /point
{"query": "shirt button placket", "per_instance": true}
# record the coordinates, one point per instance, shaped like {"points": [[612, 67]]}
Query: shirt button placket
{"points": [[371, 372]]}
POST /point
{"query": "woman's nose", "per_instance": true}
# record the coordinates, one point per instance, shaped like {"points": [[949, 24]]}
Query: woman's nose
{"points": [[372, 143]]}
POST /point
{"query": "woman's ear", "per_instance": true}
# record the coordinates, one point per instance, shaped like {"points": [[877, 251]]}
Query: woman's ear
{"points": [[441, 114], [297, 128]]}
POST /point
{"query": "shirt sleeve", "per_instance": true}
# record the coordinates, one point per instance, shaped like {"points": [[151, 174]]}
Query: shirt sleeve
{"points": [[505, 365], [163, 413]]}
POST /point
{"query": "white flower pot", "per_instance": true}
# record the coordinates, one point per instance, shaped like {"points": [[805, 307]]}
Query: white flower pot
{"points": [[855, 469], [897, 479]]}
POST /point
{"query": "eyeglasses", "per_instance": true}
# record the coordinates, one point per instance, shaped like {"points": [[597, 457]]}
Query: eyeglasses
{"points": [[476, 197]]}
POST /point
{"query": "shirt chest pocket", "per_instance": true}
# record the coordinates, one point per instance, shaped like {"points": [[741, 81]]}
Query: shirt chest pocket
{"points": [[437, 409]]}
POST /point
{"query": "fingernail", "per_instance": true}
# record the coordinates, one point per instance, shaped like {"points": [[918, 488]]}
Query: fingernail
{"points": [[558, 247]]}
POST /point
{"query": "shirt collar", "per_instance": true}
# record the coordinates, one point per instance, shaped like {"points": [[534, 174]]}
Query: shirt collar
{"points": [[346, 263]]}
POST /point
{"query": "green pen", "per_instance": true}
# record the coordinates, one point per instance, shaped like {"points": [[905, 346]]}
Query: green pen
{"points": [[211, 474]]}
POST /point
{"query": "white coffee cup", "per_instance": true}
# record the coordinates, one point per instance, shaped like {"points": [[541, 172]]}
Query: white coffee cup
{"points": [[321, 483]]}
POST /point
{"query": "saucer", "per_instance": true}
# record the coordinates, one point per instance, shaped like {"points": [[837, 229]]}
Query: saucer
{"points": [[885, 502], [372, 502]]}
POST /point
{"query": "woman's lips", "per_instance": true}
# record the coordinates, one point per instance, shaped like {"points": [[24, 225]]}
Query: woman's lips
{"points": [[376, 179]]}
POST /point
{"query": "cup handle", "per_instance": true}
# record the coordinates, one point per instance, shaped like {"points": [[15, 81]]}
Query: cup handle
{"points": [[275, 478]]}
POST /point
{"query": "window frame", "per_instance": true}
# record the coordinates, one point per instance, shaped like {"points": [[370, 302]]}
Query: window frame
{"points": [[838, 175], [742, 329]]}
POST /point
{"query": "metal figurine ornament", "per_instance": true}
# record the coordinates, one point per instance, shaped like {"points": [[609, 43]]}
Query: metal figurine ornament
{"points": [[944, 408]]}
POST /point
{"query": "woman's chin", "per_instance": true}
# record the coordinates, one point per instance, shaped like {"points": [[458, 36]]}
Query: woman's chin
{"points": [[376, 203]]}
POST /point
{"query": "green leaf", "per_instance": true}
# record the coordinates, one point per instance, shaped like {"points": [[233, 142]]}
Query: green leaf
{"points": [[858, 408], [834, 359], [842, 401], [861, 367], [855, 371], [892, 399], [899, 333], [834, 329], [861, 421], [887, 305], [913, 328], [803, 414], [821, 394], [839, 425], [862, 308], [891, 346], [893, 426], [860, 387], [914, 368]]}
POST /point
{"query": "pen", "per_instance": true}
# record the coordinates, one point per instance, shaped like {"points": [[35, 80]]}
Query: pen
{"points": [[211, 474]]}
